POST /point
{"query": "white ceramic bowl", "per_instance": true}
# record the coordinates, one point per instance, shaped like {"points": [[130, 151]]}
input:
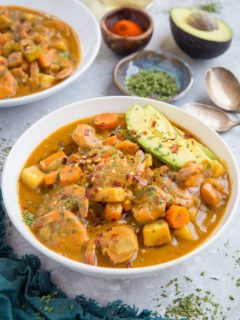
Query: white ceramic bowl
{"points": [[35, 134], [80, 18]]}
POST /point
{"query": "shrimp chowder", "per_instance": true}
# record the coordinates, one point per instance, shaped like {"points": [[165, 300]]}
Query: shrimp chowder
{"points": [[118, 190]]}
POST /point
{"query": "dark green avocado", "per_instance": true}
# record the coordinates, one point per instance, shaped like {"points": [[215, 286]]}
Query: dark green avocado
{"points": [[199, 34]]}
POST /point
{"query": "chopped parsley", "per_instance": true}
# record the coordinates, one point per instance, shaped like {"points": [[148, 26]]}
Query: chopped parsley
{"points": [[29, 218]]}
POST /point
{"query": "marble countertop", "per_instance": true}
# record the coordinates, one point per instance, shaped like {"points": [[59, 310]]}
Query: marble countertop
{"points": [[220, 262]]}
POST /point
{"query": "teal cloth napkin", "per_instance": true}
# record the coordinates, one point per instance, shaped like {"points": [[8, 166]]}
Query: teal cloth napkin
{"points": [[27, 292]]}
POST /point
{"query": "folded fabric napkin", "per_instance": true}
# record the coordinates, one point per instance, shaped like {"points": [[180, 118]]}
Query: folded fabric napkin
{"points": [[27, 293]]}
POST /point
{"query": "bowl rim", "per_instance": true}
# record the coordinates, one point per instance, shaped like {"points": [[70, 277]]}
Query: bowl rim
{"points": [[142, 36], [131, 57], [14, 102], [115, 272]]}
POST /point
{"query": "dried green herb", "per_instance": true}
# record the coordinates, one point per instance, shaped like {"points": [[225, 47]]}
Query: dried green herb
{"points": [[28, 218], [153, 83], [194, 306]]}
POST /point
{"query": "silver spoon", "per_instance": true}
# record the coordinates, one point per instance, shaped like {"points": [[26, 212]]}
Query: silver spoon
{"points": [[215, 118], [223, 88]]}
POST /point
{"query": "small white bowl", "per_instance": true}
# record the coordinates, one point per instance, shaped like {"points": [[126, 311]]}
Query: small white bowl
{"points": [[83, 22], [44, 127]]}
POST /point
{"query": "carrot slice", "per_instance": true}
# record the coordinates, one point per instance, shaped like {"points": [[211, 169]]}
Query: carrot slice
{"points": [[106, 121], [177, 217], [111, 141], [69, 175], [128, 147]]}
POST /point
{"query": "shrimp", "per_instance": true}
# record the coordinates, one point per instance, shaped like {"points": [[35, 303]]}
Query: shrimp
{"points": [[65, 72], [34, 74], [61, 228], [188, 176], [119, 244], [8, 84], [85, 137], [150, 204], [71, 197]]}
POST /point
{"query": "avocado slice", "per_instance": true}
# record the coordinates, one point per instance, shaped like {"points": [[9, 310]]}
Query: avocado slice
{"points": [[157, 136], [200, 152], [199, 34]]}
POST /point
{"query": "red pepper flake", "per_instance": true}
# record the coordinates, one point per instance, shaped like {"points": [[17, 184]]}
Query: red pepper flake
{"points": [[133, 131], [154, 123], [60, 143], [88, 194], [116, 183], [187, 136], [86, 132], [144, 133], [136, 179], [95, 190], [175, 148]]}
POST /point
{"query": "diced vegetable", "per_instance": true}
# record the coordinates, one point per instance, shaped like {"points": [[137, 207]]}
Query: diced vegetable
{"points": [[69, 175], [192, 214], [60, 44], [4, 21], [209, 194], [45, 59], [4, 37], [53, 162], [115, 194], [111, 141], [32, 176], [45, 80], [128, 147], [51, 178], [127, 205], [106, 121], [156, 234], [185, 233], [113, 211], [32, 52], [177, 217], [8, 47], [217, 169], [148, 161]]}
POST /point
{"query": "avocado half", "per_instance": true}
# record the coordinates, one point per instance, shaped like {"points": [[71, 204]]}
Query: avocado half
{"points": [[198, 33]]}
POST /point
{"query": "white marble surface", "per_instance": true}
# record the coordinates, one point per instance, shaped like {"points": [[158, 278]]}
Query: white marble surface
{"points": [[218, 261]]}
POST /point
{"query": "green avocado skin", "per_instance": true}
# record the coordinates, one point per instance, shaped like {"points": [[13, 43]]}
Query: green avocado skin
{"points": [[195, 47]]}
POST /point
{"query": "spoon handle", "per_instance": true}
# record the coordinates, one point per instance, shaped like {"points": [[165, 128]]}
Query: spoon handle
{"points": [[235, 123]]}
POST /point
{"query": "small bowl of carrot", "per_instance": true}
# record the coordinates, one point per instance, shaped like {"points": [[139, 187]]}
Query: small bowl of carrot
{"points": [[127, 30]]}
